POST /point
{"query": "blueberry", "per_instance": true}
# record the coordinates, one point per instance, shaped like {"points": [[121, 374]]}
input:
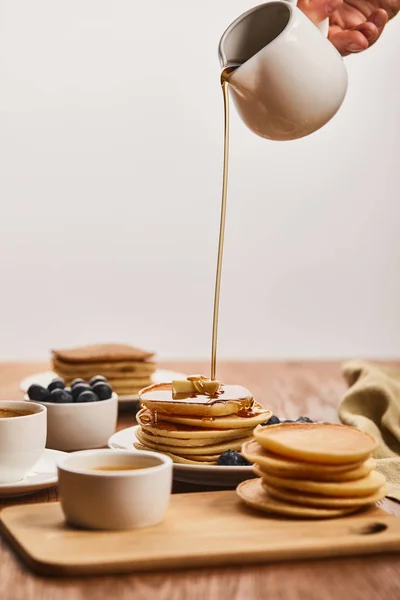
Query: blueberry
{"points": [[98, 379], [60, 396], [87, 396], [76, 381], [232, 458], [103, 390], [304, 420], [274, 420], [79, 388], [38, 392], [56, 384]]}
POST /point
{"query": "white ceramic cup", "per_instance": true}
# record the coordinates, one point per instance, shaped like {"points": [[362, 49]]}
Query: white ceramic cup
{"points": [[291, 80], [22, 439], [114, 499]]}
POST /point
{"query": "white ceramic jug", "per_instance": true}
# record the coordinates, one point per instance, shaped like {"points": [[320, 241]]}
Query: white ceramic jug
{"points": [[290, 80]]}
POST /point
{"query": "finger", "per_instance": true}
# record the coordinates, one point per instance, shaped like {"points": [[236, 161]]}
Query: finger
{"points": [[379, 18], [349, 41], [369, 31], [374, 26]]}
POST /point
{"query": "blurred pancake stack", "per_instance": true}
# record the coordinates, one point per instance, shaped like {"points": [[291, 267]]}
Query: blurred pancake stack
{"points": [[196, 420], [127, 368], [311, 470]]}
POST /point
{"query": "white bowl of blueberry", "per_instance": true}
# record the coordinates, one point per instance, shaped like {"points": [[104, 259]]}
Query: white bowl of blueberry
{"points": [[79, 417]]}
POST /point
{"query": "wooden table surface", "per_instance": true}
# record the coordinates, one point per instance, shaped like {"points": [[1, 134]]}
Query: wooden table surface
{"points": [[289, 389]]}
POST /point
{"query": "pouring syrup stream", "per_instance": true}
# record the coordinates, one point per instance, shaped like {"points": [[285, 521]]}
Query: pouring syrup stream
{"points": [[224, 83]]}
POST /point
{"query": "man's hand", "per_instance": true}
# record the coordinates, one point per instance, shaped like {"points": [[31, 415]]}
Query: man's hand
{"points": [[354, 25]]}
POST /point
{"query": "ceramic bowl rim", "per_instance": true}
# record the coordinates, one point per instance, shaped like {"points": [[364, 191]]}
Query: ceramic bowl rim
{"points": [[114, 397], [18, 405], [165, 462]]}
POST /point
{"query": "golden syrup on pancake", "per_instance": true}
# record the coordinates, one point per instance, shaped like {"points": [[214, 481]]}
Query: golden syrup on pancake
{"points": [[246, 413], [208, 417], [228, 393]]}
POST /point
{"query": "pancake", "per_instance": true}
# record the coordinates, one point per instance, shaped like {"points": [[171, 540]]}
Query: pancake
{"points": [[284, 467], [316, 442], [171, 430], [101, 352], [213, 449], [124, 366], [127, 368], [192, 442], [196, 418], [127, 381], [323, 501], [315, 475], [255, 496], [226, 422], [183, 460], [360, 487], [87, 372], [132, 367], [231, 400]]}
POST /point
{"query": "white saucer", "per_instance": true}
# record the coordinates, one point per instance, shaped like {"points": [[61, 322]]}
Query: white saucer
{"points": [[159, 376], [42, 476], [210, 475]]}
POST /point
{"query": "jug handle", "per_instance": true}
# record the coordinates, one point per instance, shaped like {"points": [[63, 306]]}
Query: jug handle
{"points": [[323, 26]]}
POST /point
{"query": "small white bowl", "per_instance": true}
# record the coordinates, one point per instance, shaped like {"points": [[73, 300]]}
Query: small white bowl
{"points": [[114, 499], [80, 425]]}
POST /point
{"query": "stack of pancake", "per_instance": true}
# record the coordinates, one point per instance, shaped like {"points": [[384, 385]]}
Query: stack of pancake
{"points": [[127, 369], [311, 470], [196, 428]]}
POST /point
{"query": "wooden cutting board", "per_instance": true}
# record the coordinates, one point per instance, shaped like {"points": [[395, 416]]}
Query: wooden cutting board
{"points": [[201, 530]]}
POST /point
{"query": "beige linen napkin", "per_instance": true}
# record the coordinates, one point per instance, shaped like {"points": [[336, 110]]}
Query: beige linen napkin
{"points": [[372, 403]]}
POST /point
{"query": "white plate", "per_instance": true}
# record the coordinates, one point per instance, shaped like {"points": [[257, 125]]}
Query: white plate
{"points": [[210, 475], [159, 376], [42, 476]]}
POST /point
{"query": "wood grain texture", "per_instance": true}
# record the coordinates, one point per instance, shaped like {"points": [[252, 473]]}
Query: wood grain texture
{"points": [[289, 389], [239, 536]]}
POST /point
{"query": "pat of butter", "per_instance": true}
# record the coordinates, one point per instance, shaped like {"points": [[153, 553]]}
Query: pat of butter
{"points": [[195, 384], [182, 387]]}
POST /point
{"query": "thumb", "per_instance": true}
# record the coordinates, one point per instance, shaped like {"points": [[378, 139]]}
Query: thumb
{"points": [[318, 10]]}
